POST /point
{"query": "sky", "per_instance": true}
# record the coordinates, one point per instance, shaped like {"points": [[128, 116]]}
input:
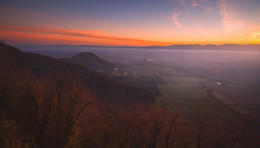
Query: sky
{"points": [[130, 22]]}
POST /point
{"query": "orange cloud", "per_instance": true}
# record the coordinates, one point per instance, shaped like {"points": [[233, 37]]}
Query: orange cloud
{"points": [[255, 38], [79, 35]]}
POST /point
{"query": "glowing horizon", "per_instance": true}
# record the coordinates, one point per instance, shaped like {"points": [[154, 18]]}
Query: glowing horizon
{"points": [[131, 23]]}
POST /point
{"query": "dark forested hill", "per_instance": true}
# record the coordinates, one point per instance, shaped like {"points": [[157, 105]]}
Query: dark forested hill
{"points": [[15, 61], [45, 102], [91, 61]]}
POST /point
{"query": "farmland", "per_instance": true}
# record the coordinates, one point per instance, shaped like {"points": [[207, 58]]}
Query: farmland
{"points": [[225, 86]]}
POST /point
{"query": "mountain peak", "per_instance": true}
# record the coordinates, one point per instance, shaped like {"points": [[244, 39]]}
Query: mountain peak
{"points": [[91, 61]]}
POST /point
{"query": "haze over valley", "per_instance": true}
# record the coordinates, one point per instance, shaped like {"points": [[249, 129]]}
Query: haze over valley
{"points": [[130, 74], [231, 74]]}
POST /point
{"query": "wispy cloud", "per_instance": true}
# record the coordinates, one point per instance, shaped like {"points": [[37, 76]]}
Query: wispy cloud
{"points": [[9, 21], [187, 3], [194, 3], [229, 21], [43, 16], [175, 19]]}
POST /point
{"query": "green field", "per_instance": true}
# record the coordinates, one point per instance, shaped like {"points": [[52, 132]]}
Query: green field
{"points": [[189, 97], [180, 88]]}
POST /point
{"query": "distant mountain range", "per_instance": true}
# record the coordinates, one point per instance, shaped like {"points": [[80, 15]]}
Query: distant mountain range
{"points": [[64, 51], [210, 46], [174, 46]]}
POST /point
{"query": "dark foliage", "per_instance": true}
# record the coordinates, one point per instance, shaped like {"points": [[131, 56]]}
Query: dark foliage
{"points": [[48, 103]]}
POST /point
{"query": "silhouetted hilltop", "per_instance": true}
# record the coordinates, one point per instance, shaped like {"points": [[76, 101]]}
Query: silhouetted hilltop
{"points": [[14, 61], [90, 60]]}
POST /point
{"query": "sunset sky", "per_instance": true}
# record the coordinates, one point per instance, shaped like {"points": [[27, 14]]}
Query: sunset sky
{"points": [[130, 22]]}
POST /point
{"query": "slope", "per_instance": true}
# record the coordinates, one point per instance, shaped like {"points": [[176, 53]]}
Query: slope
{"points": [[13, 60], [90, 60]]}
